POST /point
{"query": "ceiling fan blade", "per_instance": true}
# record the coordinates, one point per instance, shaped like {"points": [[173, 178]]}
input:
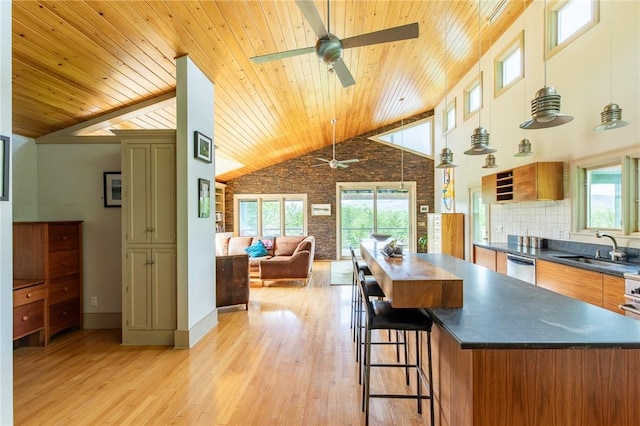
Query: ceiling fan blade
{"points": [[353, 160], [343, 73], [282, 55], [343, 166], [318, 165], [310, 12], [403, 32], [322, 159]]}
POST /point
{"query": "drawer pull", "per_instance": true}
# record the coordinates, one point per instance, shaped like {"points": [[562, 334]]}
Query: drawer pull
{"points": [[29, 295], [65, 238], [65, 289], [64, 314], [25, 318]]}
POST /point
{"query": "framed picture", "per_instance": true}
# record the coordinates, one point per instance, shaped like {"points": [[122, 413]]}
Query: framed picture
{"points": [[203, 148], [320, 209], [204, 198], [112, 188], [5, 155]]}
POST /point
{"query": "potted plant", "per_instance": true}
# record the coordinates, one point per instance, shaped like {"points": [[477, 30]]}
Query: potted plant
{"points": [[423, 243]]}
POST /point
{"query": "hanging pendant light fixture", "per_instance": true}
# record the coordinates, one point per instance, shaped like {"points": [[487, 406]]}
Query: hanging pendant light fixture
{"points": [[524, 147], [545, 107], [490, 162], [480, 136], [446, 155], [611, 116]]}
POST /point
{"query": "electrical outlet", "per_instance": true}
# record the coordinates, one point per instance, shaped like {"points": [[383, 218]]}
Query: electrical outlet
{"points": [[94, 301]]}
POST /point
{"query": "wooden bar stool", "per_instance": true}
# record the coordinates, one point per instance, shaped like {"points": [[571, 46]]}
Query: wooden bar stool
{"points": [[380, 315]]}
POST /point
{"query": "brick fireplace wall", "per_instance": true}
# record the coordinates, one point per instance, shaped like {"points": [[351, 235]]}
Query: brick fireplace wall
{"points": [[378, 163]]}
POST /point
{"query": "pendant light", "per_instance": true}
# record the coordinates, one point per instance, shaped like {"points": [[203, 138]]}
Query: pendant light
{"points": [[524, 147], [480, 135], [446, 155], [490, 162], [545, 107], [611, 116]]}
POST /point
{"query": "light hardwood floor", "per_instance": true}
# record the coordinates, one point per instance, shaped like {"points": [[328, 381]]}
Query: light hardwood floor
{"points": [[288, 360]]}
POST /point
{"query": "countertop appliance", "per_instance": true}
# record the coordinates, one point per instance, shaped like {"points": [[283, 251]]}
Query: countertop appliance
{"points": [[631, 306], [522, 268]]}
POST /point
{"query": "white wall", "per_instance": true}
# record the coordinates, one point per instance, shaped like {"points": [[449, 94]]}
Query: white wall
{"points": [[197, 312], [580, 74], [6, 219], [70, 187]]}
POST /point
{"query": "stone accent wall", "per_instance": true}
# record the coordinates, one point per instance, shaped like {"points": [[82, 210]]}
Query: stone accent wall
{"points": [[378, 163]]}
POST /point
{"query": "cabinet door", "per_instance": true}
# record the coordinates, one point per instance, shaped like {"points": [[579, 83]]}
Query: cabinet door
{"points": [[501, 262], [136, 165], [525, 183], [138, 289], [163, 194], [573, 282], [484, 257], [489, 189], [163, 289], [613, 293]]}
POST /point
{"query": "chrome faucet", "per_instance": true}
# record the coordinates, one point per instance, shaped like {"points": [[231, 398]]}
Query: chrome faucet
{"points": [[614, 253]]}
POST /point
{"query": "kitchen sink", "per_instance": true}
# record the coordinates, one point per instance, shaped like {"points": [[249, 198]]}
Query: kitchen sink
{"points": [[616, 266]]}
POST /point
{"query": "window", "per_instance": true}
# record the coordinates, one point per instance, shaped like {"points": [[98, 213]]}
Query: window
{"points": [[568, 20], [473, 97], [449, 120], [416, 137], [603, 186], [509, 65], [270, 214]]}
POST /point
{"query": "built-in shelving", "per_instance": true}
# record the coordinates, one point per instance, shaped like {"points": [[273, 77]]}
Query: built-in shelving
{"points": [[504, 186]]}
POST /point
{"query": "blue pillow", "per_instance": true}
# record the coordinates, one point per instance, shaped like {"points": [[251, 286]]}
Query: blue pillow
{"points": [[256, 249]]}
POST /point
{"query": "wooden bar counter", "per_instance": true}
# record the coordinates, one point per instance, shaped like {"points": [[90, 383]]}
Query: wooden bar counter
{"points": [[517, 354], [409, 281]]}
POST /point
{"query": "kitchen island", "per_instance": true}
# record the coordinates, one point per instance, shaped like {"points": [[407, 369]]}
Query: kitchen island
{"points": [[517, 354]]}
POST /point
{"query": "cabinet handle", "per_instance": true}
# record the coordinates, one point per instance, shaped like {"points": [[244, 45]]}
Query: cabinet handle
{"points": [[149, 262], [28, 295], [25, 318], [151, 229]]}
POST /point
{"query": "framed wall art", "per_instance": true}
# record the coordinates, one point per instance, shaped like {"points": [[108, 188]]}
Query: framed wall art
{"points": [[203, 147], [5, 155], [320, 209], [112, 189], [204, 198]]}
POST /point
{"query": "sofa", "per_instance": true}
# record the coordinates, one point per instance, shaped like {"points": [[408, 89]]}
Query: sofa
{"points": [[282, 258]]}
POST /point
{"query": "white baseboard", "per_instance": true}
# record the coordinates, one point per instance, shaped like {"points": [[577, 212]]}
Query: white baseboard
{"points": [[186, 339]]}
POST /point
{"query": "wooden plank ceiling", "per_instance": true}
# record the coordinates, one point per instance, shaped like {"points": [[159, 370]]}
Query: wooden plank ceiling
{"points": [[77, 60]]}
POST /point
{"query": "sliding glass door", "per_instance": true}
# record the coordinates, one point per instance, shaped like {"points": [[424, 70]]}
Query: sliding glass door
{"points": [[367, 208]]}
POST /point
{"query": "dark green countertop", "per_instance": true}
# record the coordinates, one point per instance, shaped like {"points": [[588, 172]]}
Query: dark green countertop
{"points": [[501, 312]]}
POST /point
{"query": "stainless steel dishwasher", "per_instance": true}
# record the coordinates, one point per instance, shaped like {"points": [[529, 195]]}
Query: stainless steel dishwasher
{"points": [[522, 268]]}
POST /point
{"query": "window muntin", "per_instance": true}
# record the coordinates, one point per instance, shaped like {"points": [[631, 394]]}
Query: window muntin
{"points": [[509, 65], [270, 214], [567, 20], [603, 196], [473, 97]]}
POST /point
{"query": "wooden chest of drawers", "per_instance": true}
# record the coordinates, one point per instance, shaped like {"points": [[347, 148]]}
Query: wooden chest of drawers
{"points": [[50, 252], [29, 310]]}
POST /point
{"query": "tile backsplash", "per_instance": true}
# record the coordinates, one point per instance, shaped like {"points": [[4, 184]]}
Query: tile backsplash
{"points": [[546, 219]]}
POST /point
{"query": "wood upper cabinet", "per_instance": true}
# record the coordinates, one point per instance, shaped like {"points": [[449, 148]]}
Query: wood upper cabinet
{"points": [[538, 181], [446, 233], [484, 257], [578, 283], [532, 182]]}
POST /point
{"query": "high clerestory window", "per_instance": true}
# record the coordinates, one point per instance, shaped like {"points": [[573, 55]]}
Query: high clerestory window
{"points": [[509, 65], [473, 97], [569, 19]]}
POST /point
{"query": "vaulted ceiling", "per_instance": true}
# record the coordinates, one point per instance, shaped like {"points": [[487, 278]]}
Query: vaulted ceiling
{"points": [[75, 61]]}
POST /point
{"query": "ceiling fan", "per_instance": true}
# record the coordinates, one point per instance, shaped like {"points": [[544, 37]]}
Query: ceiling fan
{"points": [[329, 48], [333, 163]]}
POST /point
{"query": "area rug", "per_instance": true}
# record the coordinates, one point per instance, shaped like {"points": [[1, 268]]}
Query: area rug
{"points": [[341, 272]]}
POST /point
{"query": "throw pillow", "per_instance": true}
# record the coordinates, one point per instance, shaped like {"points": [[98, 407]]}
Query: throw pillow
{"points": [[256, 249]]}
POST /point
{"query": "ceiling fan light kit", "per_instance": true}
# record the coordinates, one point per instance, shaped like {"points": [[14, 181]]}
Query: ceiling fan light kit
{"points": [[329, 47]]}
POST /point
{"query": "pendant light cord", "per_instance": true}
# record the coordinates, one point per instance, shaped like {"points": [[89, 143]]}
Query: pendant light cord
{"points": [[446, 82], [402, 145], [479, 56]]}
